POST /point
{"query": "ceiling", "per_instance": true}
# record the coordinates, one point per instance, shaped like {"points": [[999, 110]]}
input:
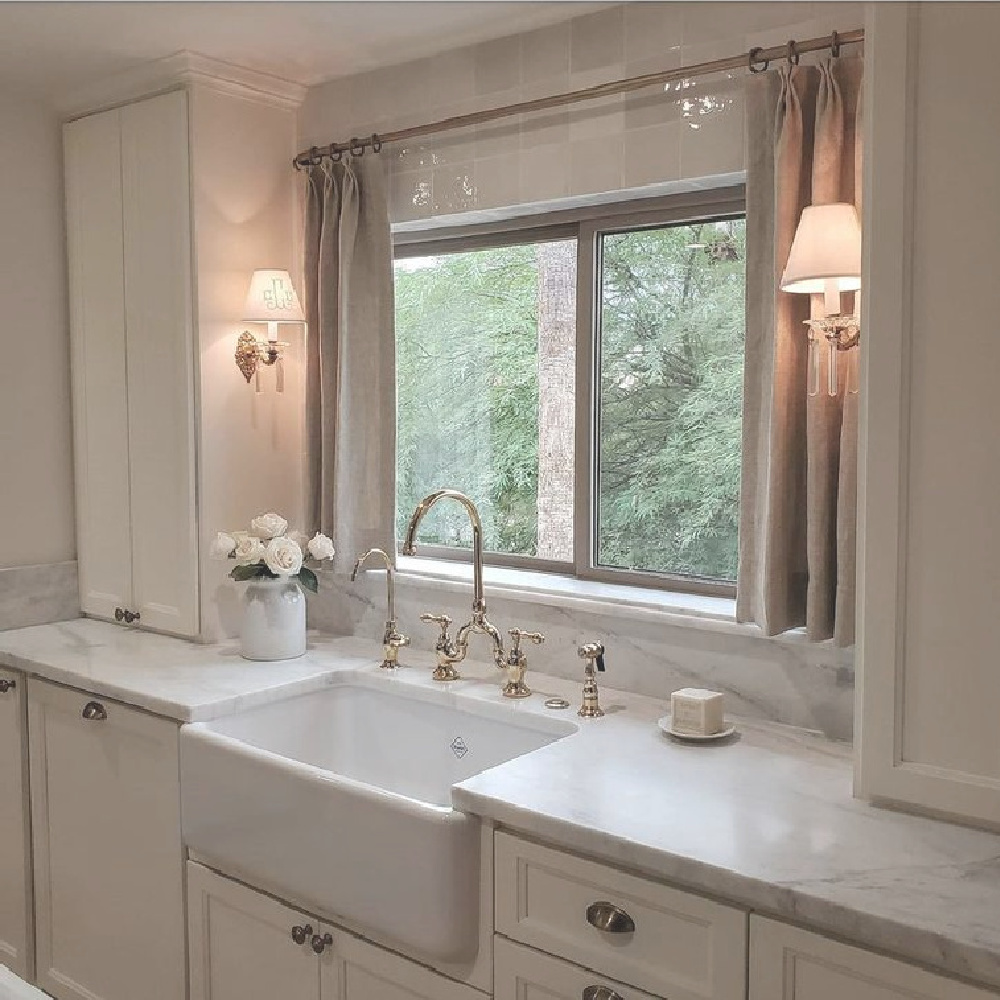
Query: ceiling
{"points": [[49, 49]]}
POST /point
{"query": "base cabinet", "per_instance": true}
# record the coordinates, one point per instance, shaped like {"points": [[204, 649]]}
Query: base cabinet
{"points": [[247, 946], [787, 963], [525, 974], [16, 950], [108, 862]]}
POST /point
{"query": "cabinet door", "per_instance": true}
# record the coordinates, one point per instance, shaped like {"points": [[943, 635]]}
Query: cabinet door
{"points": [[97, 323], [525, 974], [159, 348], [16, 950], [787, 963], [109, 874], [356, 970], [242, 945]]}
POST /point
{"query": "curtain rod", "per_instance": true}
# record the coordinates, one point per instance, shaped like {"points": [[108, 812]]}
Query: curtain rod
{"points": [[756, 61]]}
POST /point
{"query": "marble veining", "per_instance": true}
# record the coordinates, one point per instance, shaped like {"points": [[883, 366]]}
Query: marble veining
{"points": [[765, 820], [35, 595], [784, 679]]}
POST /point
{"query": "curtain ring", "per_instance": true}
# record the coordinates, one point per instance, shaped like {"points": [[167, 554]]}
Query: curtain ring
{"points": [[791, 53], [834, 45], [357, 146], [336, 155], [753, 59], [376, 143]]}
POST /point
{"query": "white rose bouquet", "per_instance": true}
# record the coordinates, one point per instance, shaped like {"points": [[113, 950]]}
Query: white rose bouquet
{"points": [[268, 551]]}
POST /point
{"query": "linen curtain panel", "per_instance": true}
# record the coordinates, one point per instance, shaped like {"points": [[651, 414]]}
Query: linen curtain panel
{"points": [[350, 357], [799, 476]]}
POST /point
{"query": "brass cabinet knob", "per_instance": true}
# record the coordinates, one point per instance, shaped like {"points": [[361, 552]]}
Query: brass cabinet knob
{"points": [[601, 993], [94, 711], [119, 614], [301, 933], [320, 944], [606, 916], [7, 685]]}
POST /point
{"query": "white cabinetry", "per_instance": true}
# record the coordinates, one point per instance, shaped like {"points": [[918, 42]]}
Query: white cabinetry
{"points": [[247, 946], [525, 974], [664, 941], [128, 209], [109, 873], [787, 963], [15, 859]]}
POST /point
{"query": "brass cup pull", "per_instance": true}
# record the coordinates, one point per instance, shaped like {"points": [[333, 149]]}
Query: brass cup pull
{"points": [[606, 916], [300, 934], [94, 711], [601, 993], [7, 685], [320, 944]]}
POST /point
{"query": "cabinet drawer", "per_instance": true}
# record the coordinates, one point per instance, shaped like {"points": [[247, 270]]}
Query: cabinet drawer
{"points": [[668, 942], [787, 963], [525, 974]]}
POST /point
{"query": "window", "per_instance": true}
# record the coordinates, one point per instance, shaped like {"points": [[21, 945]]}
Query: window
{"points": [[581, 380]]}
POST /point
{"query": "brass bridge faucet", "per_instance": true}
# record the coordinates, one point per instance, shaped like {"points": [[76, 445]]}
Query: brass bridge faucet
{"points": [[392, 638], [451, 652]]}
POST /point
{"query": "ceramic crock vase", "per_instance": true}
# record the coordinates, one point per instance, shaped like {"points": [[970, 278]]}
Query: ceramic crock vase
{"points": [[274, 620]]}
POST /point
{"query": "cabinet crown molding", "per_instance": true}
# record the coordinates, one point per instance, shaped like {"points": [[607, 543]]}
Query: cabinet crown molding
{"points": [[177, 70]]}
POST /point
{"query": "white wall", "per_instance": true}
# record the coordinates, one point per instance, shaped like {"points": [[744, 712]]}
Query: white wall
{"points": [[617, 144], [246, 217], [36, 495]]}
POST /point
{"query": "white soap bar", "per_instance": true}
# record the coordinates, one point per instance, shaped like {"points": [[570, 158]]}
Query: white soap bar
{"points": [[697, 711]]}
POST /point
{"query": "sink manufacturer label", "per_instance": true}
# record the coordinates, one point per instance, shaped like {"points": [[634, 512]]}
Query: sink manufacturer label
{"points": [[459, 747]]}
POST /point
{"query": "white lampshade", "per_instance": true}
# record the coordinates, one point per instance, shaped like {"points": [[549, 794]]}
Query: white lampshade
{"points": [[272, 299], [826, 252]]}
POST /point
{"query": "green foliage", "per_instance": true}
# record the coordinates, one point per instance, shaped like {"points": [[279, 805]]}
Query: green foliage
{"points": [[672, 342]]}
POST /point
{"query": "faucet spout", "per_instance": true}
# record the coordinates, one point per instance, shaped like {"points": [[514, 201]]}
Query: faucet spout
{"points": [[410, 542], [390, 595]]}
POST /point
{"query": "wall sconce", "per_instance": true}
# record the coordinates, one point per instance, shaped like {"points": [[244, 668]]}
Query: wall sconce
{"points": [[271, 300], [825, 259]]}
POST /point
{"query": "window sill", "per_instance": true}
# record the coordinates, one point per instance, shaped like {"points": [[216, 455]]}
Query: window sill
{"points": [[555, 590]]}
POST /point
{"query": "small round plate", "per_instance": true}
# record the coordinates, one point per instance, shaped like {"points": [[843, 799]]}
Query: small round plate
{"points": [[665, 725]]}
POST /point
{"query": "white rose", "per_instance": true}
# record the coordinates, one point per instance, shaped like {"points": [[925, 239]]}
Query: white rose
{"points": [[249, 549], [283, 557], [321, 547], [223, 546], [268, 525]]}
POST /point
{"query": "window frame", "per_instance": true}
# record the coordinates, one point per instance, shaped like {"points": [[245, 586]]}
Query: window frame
{"points": [[588, 225]]}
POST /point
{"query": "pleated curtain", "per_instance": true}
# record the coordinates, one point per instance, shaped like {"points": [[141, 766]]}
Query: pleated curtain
{"points": [[350, 357], [799, 477]]}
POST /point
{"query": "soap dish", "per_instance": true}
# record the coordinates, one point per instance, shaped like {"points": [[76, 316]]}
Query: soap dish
{"points": [[666, 725]]}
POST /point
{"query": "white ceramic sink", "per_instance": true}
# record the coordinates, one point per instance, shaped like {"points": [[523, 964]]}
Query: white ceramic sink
{"points": [[342, 799]]}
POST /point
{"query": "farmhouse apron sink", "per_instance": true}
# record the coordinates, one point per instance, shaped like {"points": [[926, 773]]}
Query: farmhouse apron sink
{"points": [[341, 799]]}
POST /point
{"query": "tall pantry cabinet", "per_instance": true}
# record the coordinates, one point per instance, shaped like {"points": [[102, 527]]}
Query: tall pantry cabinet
{"points": [[128, 209]]}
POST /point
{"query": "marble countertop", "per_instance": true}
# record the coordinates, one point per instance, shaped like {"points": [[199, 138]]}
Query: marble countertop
{"points": [[181, 680], [765, 820]]}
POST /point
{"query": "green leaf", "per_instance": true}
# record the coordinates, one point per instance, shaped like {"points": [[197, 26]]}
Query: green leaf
{"points": [[243, 573], [308, 580]]}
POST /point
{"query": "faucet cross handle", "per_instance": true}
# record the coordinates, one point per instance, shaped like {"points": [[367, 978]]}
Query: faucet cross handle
{"points": [[444, 648], [517, 663], [443, 620], [518, 634]]}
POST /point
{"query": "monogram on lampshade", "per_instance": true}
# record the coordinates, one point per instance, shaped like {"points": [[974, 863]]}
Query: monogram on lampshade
{"points": [[271, 300]]}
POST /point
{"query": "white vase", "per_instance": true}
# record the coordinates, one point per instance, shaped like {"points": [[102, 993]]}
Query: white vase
{"points": [[274, 620]]}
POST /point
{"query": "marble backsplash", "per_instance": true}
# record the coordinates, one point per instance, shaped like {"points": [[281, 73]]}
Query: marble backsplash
{"points": [[37, 595], [784, 679]]}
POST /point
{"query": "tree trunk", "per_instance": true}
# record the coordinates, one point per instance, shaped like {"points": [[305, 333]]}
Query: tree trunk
{"points": [[556, 397]]}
